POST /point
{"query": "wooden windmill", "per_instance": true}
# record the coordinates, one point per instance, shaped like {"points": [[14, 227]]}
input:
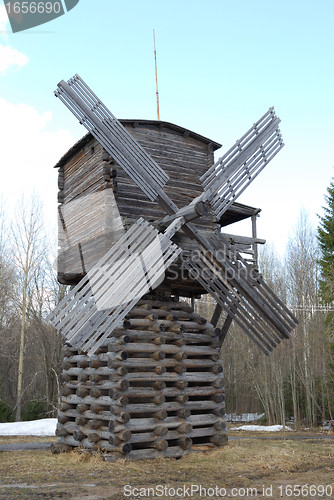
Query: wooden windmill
{"points": [[142, 374]]}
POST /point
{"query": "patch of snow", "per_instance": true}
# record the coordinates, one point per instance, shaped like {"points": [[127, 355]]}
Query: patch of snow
{"points": [[244, 417], [44, 427], [269, 428]]}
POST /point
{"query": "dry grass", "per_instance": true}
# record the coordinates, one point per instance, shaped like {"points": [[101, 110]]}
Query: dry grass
{"points": [[244, 463]]}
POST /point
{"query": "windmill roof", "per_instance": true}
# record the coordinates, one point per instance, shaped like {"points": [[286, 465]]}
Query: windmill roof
{"points": [[162, 124]]}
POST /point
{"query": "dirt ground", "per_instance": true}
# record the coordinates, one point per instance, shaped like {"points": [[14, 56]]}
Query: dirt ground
{"points": [[247, 468]]}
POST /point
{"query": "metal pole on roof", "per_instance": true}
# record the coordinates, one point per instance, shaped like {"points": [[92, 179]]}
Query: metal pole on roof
{"points": [[156, 76]]}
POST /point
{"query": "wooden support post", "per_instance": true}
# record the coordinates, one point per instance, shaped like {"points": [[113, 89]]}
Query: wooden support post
{"points": [[216, 315], [225, 329], [254, 236]]}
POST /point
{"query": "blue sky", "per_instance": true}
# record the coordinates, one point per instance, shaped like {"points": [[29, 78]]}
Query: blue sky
{"points": [[221, 65]]}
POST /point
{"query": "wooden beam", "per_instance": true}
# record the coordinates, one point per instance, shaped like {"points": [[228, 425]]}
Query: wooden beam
{"points": [[190, 212], [216, 315], [244, 240], [254, 237], [225, 329]]}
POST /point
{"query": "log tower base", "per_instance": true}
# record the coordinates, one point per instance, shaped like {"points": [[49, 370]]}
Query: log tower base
{"points": [[154, 389]]}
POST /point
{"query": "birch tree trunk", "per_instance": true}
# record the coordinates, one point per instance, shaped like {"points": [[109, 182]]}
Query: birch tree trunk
{"points": [[27, 235]]}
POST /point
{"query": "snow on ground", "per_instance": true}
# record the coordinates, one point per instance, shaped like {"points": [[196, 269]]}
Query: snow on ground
{"points": [[261, 428], [47, 427], [244, 417], [44, 427]]}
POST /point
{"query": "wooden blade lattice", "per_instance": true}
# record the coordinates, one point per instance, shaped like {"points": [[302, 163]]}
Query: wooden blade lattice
{"points": [[102, 124], [241, 292], [232, 173], [101, 300]]}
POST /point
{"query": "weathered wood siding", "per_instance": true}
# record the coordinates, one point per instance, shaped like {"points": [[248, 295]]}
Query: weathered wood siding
{"points": [[87, 218], [184, 159], [83, 173], [87, 226]]}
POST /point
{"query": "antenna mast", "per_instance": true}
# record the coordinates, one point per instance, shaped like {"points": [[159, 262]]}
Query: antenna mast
{"points": [[156, 76]]}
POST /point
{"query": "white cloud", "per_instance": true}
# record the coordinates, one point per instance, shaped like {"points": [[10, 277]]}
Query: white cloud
{"points": [[28, 153], [11, 57]]}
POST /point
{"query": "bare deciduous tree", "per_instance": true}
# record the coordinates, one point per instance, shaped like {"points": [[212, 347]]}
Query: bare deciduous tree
{"points": [[28, 248]]}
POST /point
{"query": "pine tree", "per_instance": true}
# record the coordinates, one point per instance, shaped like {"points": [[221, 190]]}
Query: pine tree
{"points": [[326, 242]]}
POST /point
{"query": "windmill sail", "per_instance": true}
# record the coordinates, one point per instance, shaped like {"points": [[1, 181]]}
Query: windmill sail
{"points": [[115, 139], [102, 299], [223, 273], [241, 292], [232, 173]]}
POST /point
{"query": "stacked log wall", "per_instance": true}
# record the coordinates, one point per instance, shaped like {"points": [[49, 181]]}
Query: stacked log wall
{"points": [[155, 388]]}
